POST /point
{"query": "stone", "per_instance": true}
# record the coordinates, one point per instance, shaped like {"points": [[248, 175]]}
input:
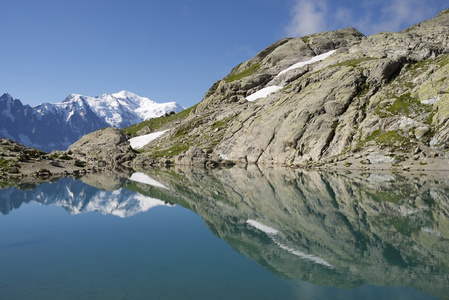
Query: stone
{"points": [[421, 131]]}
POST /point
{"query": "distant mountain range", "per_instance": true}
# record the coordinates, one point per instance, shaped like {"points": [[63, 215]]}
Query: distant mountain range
{"points": [[55, 126]]}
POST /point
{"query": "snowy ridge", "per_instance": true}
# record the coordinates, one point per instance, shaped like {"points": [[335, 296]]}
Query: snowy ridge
{"points": [[118, 110]]}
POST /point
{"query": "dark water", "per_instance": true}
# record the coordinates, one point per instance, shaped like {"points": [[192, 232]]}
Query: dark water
{"points": [[256, 233]]}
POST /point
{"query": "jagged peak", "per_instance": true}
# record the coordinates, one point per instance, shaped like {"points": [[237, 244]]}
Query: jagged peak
{"points": [[6, 96], [73, 97]]}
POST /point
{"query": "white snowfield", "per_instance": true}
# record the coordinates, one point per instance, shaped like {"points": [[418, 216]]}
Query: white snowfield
{"points": [[307, 62], [263, 92], [143, 140], [274, 88]]}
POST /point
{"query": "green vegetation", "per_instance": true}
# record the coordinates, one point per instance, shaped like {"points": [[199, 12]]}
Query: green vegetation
{"points": [[404, 226], [157, 123], [65, 156], [170, 152], [248, 72], [429, 119], [78, 163], [368, 139], [353, 62], [222, 123], [393, 139], [306, 39], [183, 130], [444, 60], [404, 105], [55, 155]]}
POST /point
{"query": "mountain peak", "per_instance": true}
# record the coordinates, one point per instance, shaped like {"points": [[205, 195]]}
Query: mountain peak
{"points": [[125, 94], [6, 96]]}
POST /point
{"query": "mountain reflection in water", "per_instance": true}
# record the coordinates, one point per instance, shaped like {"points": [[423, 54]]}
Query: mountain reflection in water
{"points": [[331, 229]]}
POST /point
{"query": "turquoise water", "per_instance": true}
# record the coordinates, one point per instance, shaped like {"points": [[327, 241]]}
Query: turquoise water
{"points": [[193, 239]]}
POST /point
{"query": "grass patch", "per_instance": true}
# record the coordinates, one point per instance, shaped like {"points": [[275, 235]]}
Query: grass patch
{"points": [[222, 123], [172, 151], [157, 123], [353, 62], [429, 119], [444, 60], [248, 72], [9, 165], [404, 105], [393, 139], [368, 139]]}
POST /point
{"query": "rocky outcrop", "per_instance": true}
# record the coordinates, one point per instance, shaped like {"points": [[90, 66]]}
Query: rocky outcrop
{"points": [[18, 162], [349, 95], [106, 147]]}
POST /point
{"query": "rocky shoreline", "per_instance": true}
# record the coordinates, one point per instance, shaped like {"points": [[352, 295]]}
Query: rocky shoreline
{"points": [[19, 163]]}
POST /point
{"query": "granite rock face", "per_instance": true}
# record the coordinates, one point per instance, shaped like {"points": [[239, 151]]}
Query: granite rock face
{"points": [[349, 94], [105, 147]]}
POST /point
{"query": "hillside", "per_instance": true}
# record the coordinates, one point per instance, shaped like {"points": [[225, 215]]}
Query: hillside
{"points": [[323, 98]]}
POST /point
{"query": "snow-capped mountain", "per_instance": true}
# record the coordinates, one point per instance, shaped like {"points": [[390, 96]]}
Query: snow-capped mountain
{"points": [[55, 126]]}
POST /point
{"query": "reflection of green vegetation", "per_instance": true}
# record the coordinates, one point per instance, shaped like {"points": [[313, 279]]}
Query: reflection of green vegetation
{"points": [[386, 196], [248, 72], [9, 165]]}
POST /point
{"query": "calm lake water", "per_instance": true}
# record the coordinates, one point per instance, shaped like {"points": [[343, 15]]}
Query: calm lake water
{"points": [[253, 233]]}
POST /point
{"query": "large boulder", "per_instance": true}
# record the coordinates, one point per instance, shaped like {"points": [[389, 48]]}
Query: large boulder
{"points": [[107, 146]]}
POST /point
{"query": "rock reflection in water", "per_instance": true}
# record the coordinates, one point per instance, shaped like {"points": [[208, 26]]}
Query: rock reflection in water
{"points": [[331, 229]]}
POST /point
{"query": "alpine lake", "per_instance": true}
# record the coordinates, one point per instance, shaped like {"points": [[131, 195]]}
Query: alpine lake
{"points": [[253, 232]]}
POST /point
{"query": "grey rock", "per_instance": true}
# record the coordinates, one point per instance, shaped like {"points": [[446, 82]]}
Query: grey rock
{"points": [[108, 146]]}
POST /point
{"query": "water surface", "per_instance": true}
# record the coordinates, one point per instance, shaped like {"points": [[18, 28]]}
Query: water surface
{"points": [[255, 233]]}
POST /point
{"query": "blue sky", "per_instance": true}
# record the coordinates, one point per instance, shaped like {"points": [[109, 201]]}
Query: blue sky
{"points": [[168, 50]]}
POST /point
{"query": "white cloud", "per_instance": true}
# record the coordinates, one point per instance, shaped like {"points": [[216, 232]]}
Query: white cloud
{"points": [[397, 14], [368, 16], [308, 16]]}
